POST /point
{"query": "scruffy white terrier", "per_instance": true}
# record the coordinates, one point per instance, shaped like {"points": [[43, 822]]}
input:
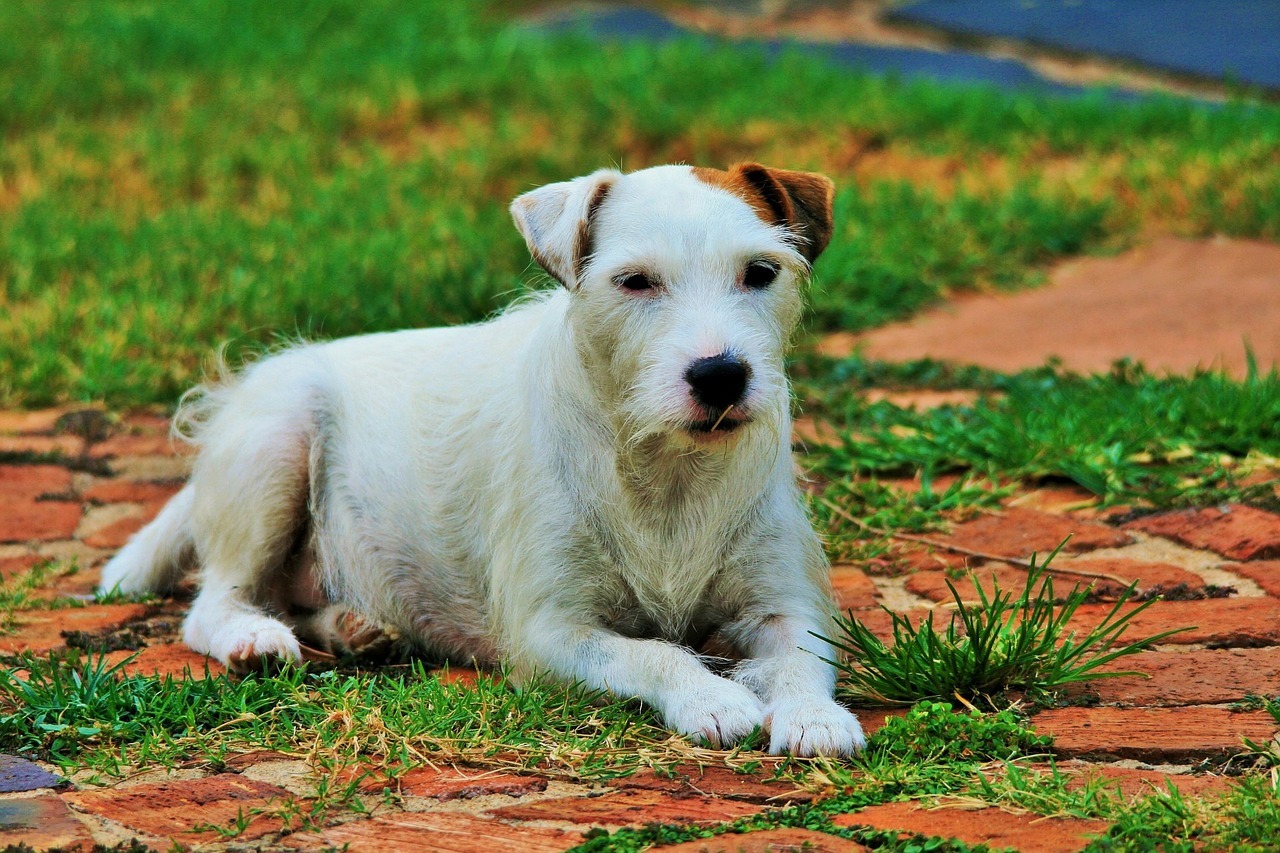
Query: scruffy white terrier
{"points": [[588, 486]]}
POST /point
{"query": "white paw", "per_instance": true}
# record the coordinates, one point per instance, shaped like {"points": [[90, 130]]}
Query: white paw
{"points": [[246, 643], [809, 727], [122, 574], [719, 715]]}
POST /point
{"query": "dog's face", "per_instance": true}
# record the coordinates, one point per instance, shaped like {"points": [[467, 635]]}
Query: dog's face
{"points": [[686, 288]]}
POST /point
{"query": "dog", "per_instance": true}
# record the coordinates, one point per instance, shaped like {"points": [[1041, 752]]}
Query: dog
{"points": [[587, 487]]}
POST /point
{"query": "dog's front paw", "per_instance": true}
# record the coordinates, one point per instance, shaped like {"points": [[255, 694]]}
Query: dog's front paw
{"points": [[809, 727], [719, 716]]}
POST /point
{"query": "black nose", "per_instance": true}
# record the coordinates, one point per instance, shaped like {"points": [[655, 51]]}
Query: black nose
{"points": [[718, 381]]}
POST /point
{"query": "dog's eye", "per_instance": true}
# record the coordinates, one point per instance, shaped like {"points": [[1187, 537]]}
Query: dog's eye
{"points": [[759, 274], [636, 282]]}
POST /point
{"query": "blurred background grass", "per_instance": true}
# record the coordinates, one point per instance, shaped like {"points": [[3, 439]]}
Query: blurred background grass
{"points": [[173, 176]]}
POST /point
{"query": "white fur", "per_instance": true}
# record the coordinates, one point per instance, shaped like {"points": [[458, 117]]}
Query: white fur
{"points": [[527, 489]]}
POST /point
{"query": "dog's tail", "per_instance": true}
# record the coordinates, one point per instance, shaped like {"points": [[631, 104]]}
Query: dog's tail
{"points": [[158, 556]]}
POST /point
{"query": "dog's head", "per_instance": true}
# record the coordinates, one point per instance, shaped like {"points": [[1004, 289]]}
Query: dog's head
{"points": [[685, 286]]}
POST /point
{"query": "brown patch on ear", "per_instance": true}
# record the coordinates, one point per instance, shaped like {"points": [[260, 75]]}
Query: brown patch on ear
{"points": [[801, 201], [584, 244]]}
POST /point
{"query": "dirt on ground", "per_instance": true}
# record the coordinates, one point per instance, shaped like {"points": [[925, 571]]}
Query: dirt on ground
{"points": [[1172, 304]]}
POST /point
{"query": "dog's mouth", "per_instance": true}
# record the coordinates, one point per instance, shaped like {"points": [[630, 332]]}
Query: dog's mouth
{"points": [[723, 423]]}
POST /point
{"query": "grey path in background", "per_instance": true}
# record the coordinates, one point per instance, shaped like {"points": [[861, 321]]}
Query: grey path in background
{"points": [[1222, 40], [944, 66]]}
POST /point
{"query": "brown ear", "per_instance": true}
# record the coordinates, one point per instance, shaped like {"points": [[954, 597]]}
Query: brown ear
{"points": [[799, 200], [555, 221]]}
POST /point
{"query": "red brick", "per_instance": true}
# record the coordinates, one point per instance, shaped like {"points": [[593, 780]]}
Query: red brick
{"points": [[162, 659], [31, 481], [130, 491], [631, 808], [880, 623], [852, 587], [41, 630], [1156, 735], [116, 534], [768, 841], [1220, 623], [1020, 532], [38, 521], [42, 823], [1199, 677], [991, 826], [1131, 782], [718, 781], [1235, 531], [173, 809], [1265, 573], [10, 566], [438, 832], [1153, 578], [452, 783]]}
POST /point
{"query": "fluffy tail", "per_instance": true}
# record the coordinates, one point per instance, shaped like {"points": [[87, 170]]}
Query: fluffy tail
{"points": [[158, 556]]}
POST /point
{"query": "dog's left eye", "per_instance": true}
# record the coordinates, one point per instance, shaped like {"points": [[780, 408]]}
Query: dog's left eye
{"points": [[759, 274], [635, 282]]}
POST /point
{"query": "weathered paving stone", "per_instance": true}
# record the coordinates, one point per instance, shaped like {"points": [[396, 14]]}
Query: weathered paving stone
{"points": [[1021, 532], [852, 587], [717, 781], [28, 482], [1220, 623], [1154, 735], [130, 491], [768, 841], [18, 774], [445, 832], [631, 808], [990, 826], [1265, 573], [1235, 531], [42, 823], [173, 809], [41, 630], [10, 566], [1197, 677], [452, 783], [38, 521], [1131, 782], [1151, 578]]}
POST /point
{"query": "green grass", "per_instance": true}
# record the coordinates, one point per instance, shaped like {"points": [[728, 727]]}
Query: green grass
{"points": [[176, 176], [80, 712], [1125, 436], [1005, 643]]}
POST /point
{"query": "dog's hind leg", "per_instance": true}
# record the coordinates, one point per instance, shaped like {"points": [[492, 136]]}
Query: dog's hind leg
{"points": [[158, 556], [250, 505]]}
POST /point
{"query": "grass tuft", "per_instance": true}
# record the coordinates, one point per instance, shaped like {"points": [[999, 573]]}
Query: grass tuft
{"points": [[1005, 643]]}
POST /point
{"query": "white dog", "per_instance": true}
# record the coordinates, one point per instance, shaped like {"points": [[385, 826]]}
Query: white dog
{"points": [[588, 486]]}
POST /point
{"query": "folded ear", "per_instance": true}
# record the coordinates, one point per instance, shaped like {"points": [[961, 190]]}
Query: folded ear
{"points": [[799, 200], [555, 221]]}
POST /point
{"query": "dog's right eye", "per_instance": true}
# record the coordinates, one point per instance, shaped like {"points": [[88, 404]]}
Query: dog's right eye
{"points": [[636, 282]]}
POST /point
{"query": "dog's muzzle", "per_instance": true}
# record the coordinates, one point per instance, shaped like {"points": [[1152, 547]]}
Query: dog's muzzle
{"points": [[718, 384]]}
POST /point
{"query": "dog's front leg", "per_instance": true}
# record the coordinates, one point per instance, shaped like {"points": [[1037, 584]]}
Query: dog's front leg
{"points": [[787, 668], [670, 678]]}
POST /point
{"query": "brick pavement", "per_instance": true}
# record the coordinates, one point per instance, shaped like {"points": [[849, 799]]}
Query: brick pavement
{"points": [[1218, 568]]}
